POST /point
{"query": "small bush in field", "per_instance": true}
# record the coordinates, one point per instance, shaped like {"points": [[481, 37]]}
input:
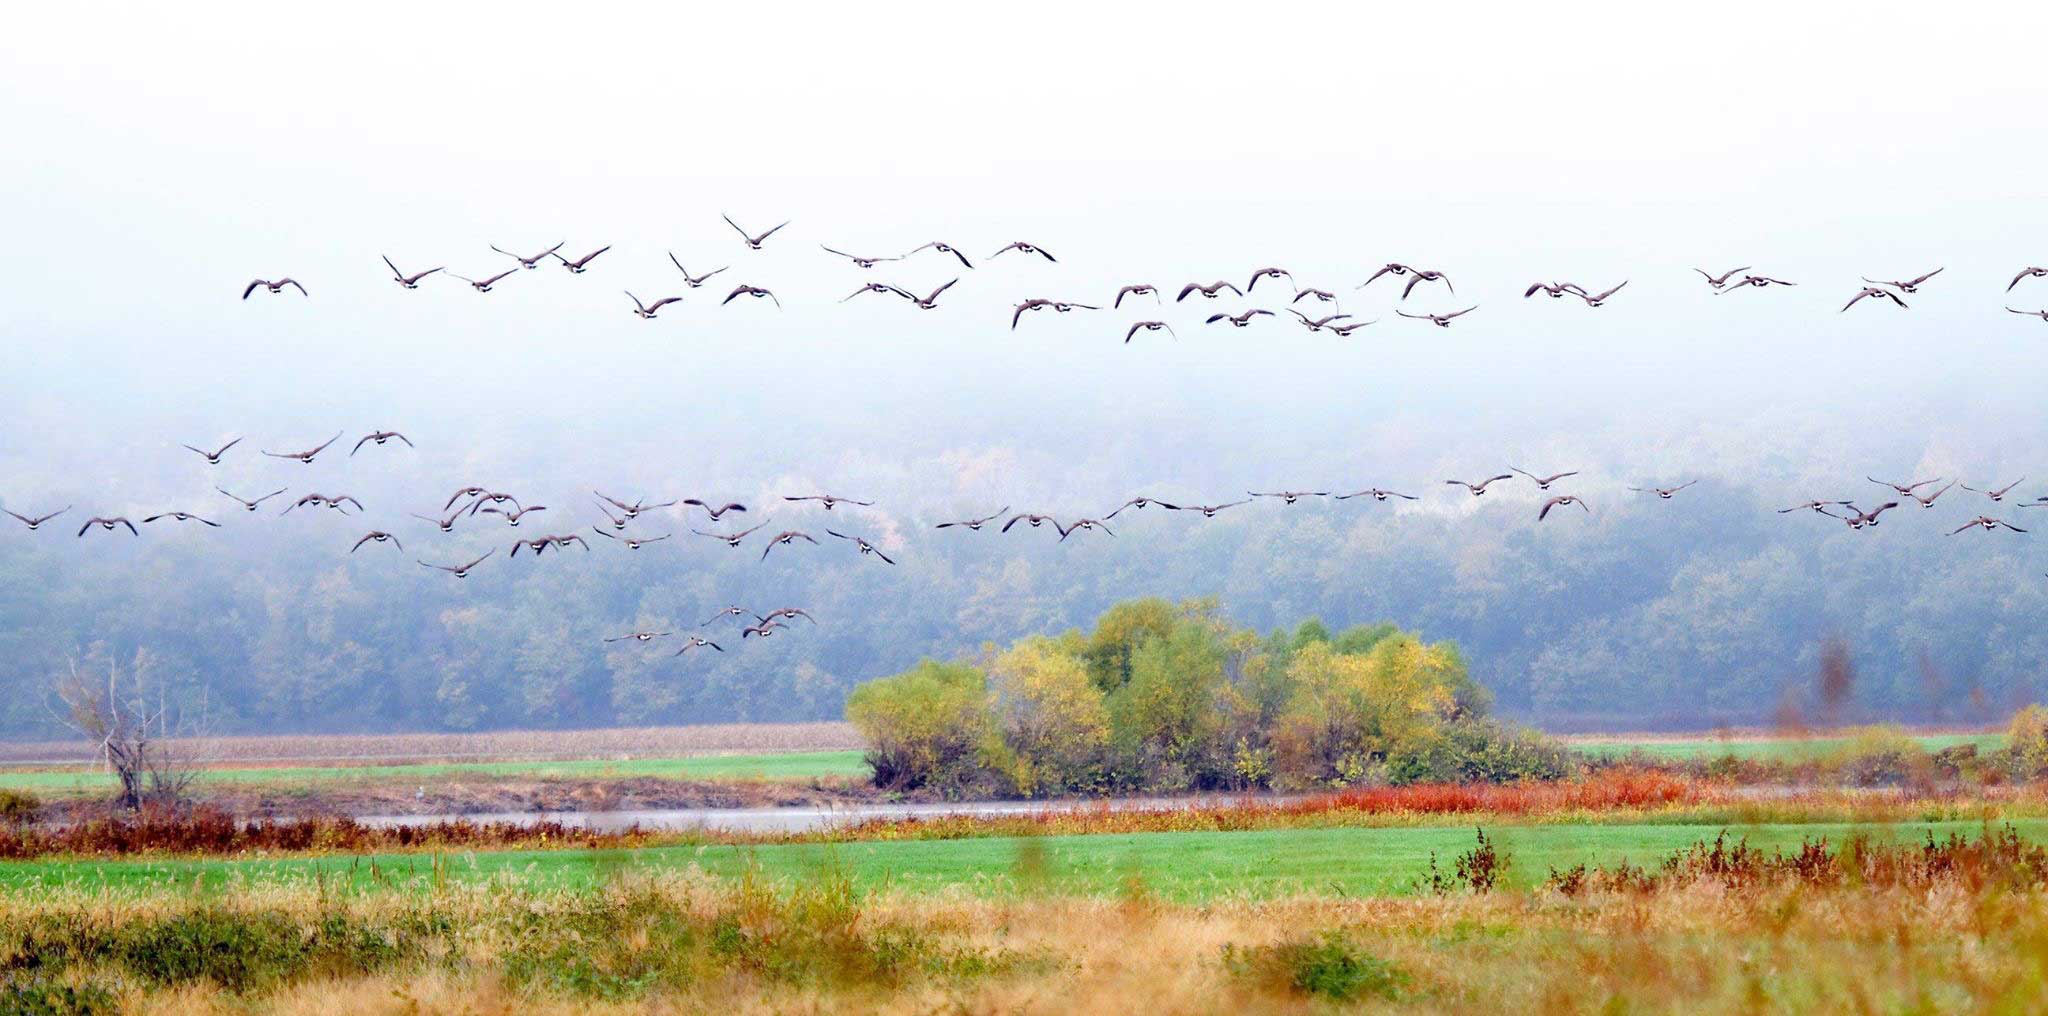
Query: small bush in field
{"points": [[2027, 742], [1330, 966], [38, 997], [1877, 756], [1480, 870], [19, 807]]}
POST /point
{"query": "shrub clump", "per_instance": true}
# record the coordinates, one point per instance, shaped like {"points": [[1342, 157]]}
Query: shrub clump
{"points": [[1330, 966]]}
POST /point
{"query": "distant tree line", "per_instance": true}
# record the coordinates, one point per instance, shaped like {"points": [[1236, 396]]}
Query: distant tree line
{"points": [[1165, 697]]}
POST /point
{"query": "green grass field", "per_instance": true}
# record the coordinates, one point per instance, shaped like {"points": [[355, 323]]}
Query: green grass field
{"points": [[1181, 866], [1766, 748], [783, 766]]}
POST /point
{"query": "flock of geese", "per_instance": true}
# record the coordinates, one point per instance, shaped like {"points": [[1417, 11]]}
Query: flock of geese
{"points": [[1327, 317]]}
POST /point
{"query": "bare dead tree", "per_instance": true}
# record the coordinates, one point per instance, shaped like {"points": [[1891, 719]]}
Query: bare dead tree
{"points": [[154, 749]]}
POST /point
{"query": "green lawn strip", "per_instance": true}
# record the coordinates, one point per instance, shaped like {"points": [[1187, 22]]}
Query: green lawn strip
{"points": [[1181, 866], [787, 765], [1771, 749]]}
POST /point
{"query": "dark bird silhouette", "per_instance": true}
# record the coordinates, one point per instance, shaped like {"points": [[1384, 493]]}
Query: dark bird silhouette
{"points": [[180, 517], [732, 539], [1562, 499], [753, 242], [634, 510], [943, 248], [782, 612], [325, 501], [694, 281], [1393, 268], [1928, 501], [484, 285], [577, 266], [1268, 273], [1289, 496], [1140, 503], [2042, 314], [976, 524], [562, 541], [714, 510], [754, 291], [1379, 495], [631, 542], [36, 522], [1720, 281], [860, 262], [762, 630], [380, 536], [1034, 520], [698, 642], [464, 492], [307, 456], [492, 497], [829, 500], [525, 262], [1022, 248], [1480, 487], [1553, 289], [862, 544], [1986, 523], [784, 538], [1417, 277], [877, 287], [1079, 525], [408, 281], [2025, 273], [1999, 493], [1209, 510], [1861, 519], [1321, 295], [213, 457], [1543, 482], [1150, 326], [734, 610], [1664, 492], [1902, 488], [1752, 282], [1211, 291], [1818, 506], [616, 522], [379, 437], [1139, 289], [538, 545], [646, 311], [1316, 324], [1439, 320], [1907, 286], [1877, 291], [275, 287], [1345, 330], [512, 517], [1597, 299], [1240, 320], [461, 571], [446, 525], [640, 636], [930, 300], [106, 523]]}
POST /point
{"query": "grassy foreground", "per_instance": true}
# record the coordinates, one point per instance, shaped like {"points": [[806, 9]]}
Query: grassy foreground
{"points": [[1181, 866]]}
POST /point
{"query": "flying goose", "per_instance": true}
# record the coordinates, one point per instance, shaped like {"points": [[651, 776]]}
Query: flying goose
{"points": [[1316, 324], [492, 497], [1543, 482], [379, 437], [976, 524], [464, 492], [782, 612], [876, 287], [1034, 520], [1393, 268], [1480, 487], [1863, 518], [734, 610], [36, 523], [1345, 330], [640, 636], [1597, 299], [1818, 506], [1017, 312], [512, 517], [753, 242], [616, 522], [732, 539], [698, 642], [2025, 273], [1138, 289], [694, 281], [526, 262], [380, 536], [1720, 281], [1995, 495], [646, 311], [1562, 499], [538, 544], [2042, 314], [1902, 488], [754, 291], [763, 630], [783, 538], [1140, 503], [1439, 320], [1752, 281], [107, 524], [1380, 495], [943, 248], [1908, 286], [325, 501], [1080, 524], [1321, 295], [863, 545], [484, 286], [1211, 291], [1928, 501], [1150, 326], [931, 301], [408, 281], [1986, 523], [306, 456], [1022, 248], [213, 457], [859, 262], [1209, 510], [446, 525], [717, 510], [1290, 496], [275, 287], [828, 500], [1268, 273], [633, 510], [179, 517], [576, 267], [1244, 319], [1554, 289], [460, 571], [1664, 492], [1877, 291], [631, 542], [562, 541], [1418, 276]]}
